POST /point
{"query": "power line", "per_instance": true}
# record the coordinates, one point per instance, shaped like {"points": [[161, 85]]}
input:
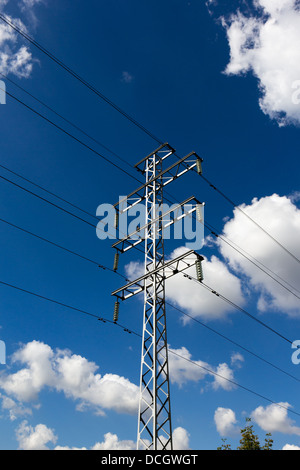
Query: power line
{"points": [[130, 331], [134, 121], [195, 280], [250, 218], [287, 251], [196, 320], [103, 319], [83, 311], [46, 190], [46, 200], [208, 226], [75, 126], [209, 371], [123, 276], [56, 245], [230, 302], [212, 290], [104, 267], [71, 135], [49, 192], [78, 77], [254, 261], [55, 205]]}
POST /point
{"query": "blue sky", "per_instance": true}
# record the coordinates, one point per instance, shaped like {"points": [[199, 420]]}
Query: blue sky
{"points": [[203, 76]]}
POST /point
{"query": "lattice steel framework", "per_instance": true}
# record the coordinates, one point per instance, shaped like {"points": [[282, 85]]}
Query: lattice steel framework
{"points": [[154, 418], [154, 406]]}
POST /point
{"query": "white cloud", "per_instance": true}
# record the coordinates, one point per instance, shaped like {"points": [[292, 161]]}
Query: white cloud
{"points": [[272, 418], [127, 77], [290, 447], [294, 196], [34, 438], [112, 442], [31, 3], [72, 374], [268, 45], [184, 369], [275, 418], [134, 269], [6, 34], [181, 439], [225, 421], [237, 359], [223, 378], [15, 409], [15, 57], [281, 218], [77, 378], [200, 302], [20, 63]]}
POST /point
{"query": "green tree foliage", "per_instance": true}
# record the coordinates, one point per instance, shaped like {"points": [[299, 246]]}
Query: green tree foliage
{"points": [[249, 440]]}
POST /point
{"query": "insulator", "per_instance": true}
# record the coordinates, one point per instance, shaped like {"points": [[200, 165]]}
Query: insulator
{"points": [[116, 311], [199, 166], [116, 261], [199, 270], [116, 225]]}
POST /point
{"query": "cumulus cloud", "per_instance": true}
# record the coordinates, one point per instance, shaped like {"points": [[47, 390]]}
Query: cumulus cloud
{"points": [[223, 378], [281, 218], [290, 447], [237, 359], [225, 421], [181, 439], [112, 442], [15, 57], [34, 438], [14, 408], [267, 44], [274, 418], [184, 369], [71, 374]]}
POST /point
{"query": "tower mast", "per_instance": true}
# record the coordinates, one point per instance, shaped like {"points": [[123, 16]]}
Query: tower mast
{"points": [[154, 415]]}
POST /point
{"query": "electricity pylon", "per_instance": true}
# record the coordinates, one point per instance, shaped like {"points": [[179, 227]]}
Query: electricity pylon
{"points": [[154, 416]]}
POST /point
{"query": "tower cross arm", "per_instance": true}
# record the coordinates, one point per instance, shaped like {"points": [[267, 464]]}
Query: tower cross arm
{"points": [[169, 269]]}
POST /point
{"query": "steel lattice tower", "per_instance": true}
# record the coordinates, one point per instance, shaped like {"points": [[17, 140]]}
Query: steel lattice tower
{"points": [[154, 416], [154, 406]]}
